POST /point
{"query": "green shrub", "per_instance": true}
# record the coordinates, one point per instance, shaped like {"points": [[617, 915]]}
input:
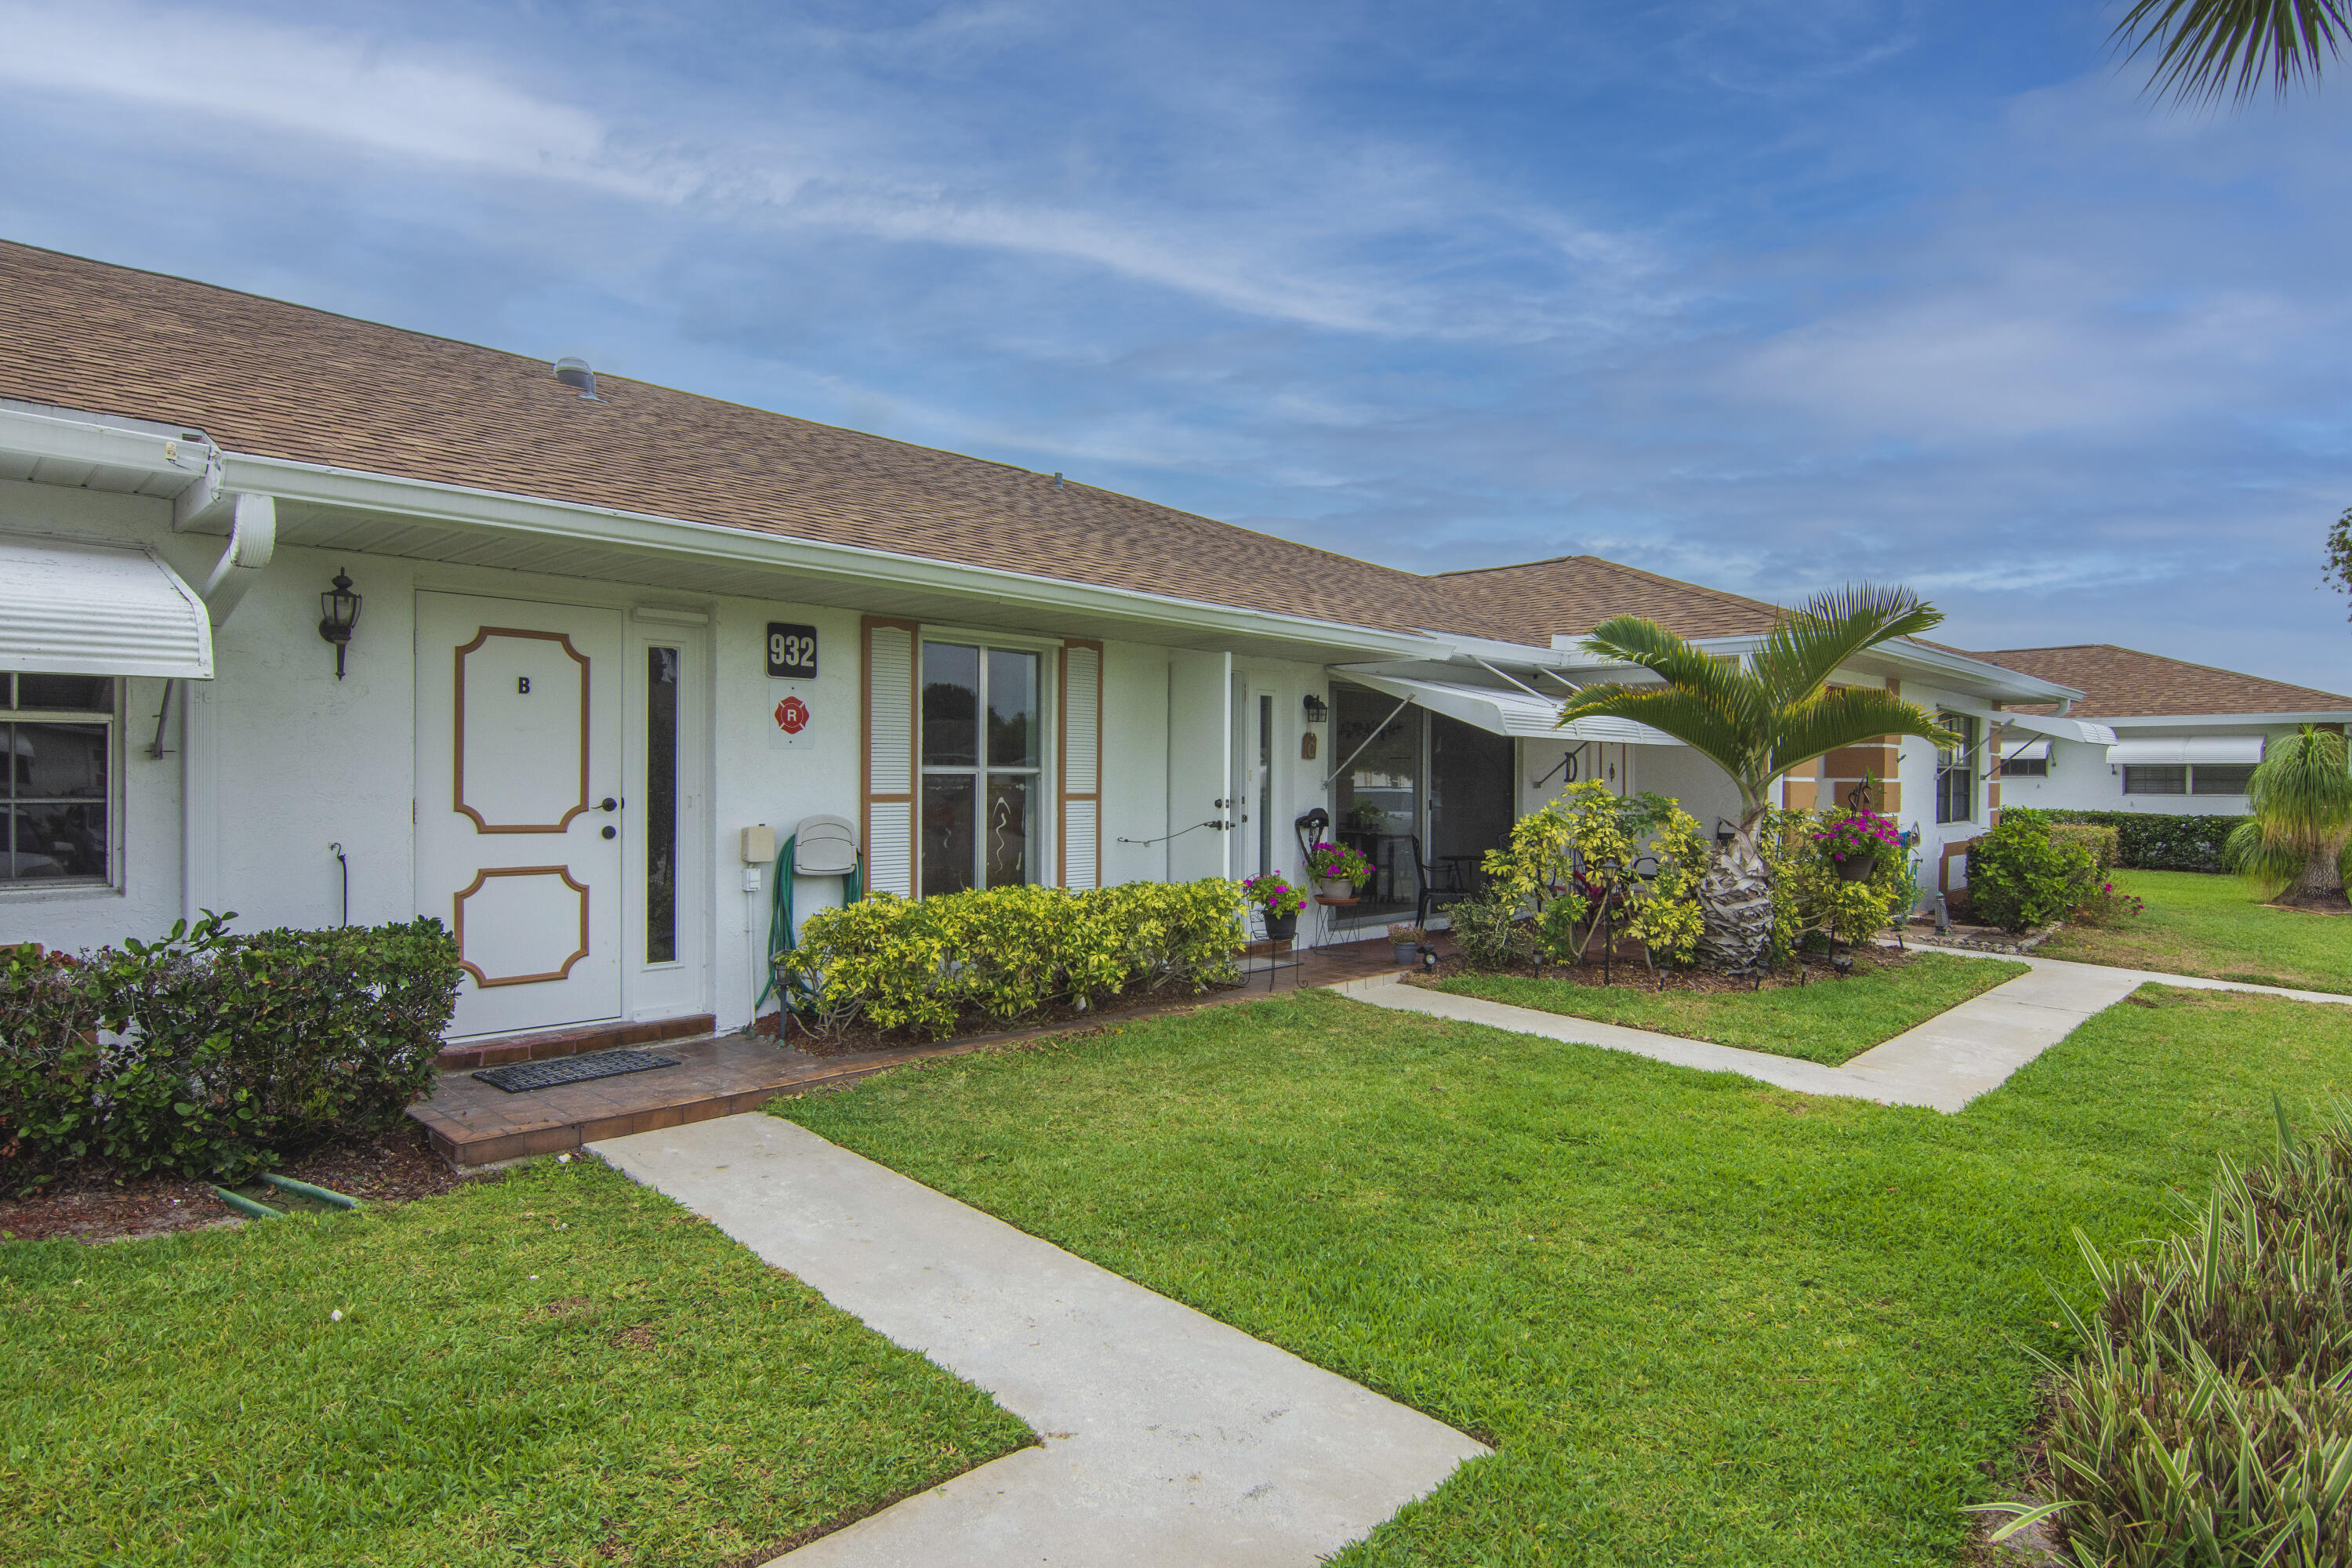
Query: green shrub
{"points": [[210, 1052], [1486, 932], [1009, 953], [1566, 847], [1811, 903], [2104, 843], [2147, 840], [2019, 877], [2206, 1419]]}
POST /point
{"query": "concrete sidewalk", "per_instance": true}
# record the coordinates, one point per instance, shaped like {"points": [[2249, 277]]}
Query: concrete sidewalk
{"points": [[1942, 1064], [1171, 1439]]}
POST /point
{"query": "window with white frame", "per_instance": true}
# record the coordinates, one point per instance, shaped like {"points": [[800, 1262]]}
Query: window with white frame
{"points": [[1956, 779], [57, 816], [982, 745]]}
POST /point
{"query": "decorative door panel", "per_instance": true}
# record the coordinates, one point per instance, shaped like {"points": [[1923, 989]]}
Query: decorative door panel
{"points": [[521, 805]]}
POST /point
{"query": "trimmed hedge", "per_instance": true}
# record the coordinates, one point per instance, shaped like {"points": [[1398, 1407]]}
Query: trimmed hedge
{"points": [[2150, 841], [1008, 953], [2022, 873], [209, 1054]]}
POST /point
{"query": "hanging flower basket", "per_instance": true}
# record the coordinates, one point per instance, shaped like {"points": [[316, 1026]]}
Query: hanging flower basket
{"points": [[1855, 840]]}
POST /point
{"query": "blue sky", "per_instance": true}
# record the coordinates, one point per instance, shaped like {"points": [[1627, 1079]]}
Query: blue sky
{"points": [[1768, 294]]}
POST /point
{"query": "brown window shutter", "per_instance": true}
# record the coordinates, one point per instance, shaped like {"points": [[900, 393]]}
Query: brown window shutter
{"points": [[1081, 685], [891, 729]]}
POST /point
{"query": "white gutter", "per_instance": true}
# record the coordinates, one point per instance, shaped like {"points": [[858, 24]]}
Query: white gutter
{"points": [[464, 506], [2008, 685], [195, 463], [2337, 716]]}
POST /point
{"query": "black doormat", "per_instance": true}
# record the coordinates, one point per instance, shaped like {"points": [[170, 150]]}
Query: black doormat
{"points": [[572, 1069]]}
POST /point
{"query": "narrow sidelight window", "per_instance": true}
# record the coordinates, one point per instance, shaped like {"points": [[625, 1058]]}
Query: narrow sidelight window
{"points": [[1956, 775], [983, 744], [661, 806]]}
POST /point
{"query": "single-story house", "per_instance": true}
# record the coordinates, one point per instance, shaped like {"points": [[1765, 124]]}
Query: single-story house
{"points": [[319, 620], [2160, 734]]}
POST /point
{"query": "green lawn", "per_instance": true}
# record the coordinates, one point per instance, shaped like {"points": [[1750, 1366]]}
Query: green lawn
{"points": [[2217, 927], [1704, 1321], [1829, 1021], [557, 1368]]}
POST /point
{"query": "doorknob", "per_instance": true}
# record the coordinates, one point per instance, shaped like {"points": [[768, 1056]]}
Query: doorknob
{"points": [[608, 804]]}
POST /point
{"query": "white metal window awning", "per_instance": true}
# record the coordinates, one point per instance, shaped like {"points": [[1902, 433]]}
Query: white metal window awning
{"points": [[74, 606], [2167, 749], [2024, 750], [1510, 712], [2056, 728]]}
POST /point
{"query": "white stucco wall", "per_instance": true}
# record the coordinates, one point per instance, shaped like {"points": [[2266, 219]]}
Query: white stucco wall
{"points": [[2082, 779], [1134, 762]]}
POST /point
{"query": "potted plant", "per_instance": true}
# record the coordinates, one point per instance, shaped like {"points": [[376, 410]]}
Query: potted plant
{"points": [[1281, 902], [1853, 841], [1404, 943], [1338, 870]]}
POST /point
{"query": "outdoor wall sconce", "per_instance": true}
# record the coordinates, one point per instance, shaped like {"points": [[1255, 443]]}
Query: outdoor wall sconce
{"points": [[1318, 710], [339, 612]]}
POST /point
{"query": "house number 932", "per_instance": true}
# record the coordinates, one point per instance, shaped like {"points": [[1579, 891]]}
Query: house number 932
{"points": [[791, 651]]}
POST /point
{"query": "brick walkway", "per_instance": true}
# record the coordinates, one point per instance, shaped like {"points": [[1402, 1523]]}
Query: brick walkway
{"points": [[473, 1123]]}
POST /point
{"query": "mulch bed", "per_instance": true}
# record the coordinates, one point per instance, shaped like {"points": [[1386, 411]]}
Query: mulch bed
{"points": [[393, 1168], [1629, 972]]}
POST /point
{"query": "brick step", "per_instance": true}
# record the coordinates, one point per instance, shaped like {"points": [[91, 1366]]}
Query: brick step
{"points": [[500, 1049]]}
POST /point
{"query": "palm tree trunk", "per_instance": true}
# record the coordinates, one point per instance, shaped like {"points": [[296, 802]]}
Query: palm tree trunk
{"points": [[2321, 884], [1734, 900]]}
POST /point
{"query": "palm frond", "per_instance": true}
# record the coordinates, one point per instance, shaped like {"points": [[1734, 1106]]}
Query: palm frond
{"points": [[2301, 794], [1640, 641], [1806, 646], [1688, 716], [1851, 718], [2210, 48]]}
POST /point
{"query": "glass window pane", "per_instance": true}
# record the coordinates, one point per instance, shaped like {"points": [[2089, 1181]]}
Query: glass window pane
{"points": [[1012, 708], [53, 841], [950, 840], [2145, 780], [58, 762], [950, 705], [80, 693], [1012, 812], [661, 806], [2221, 778]]}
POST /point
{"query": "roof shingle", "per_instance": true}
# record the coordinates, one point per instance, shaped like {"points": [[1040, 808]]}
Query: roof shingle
{"points": [[2124, 683]]}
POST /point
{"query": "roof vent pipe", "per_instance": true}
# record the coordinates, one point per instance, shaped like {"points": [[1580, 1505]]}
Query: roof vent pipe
{"points": [[573, 371]]}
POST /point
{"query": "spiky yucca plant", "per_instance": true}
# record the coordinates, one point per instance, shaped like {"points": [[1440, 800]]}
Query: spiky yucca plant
{"points": [[1759, 719], [2301, 801]]}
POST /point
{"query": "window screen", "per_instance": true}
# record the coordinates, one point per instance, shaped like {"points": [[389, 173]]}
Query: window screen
{"points": [[2145, 778]]}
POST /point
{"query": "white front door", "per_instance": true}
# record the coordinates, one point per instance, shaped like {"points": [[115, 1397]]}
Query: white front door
{"points": [[519, 806], [1199, 764]]}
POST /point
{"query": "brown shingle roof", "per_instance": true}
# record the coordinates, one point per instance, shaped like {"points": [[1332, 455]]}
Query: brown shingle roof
{"points": [[271, 379], [1568, 595], [2124, 683]]}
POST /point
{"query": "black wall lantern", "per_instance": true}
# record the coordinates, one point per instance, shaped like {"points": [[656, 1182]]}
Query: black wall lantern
{"points": [[1316, 708], [339, 612]]}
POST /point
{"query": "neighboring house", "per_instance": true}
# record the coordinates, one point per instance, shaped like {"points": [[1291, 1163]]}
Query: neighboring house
{"points": [[603, 627], [2164, 735]]}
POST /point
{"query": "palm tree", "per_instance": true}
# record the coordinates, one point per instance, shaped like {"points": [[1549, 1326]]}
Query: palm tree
{"points": [[1758, 719], [2205, 48], [2302, 796]]}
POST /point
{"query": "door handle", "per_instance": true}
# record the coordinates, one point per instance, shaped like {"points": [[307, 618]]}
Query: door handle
{"points": [[608, 804]]}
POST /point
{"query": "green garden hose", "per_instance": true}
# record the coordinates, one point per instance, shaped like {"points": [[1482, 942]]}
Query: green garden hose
{"points": [[318, 1194], [780, 915], [246, 1205]]}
